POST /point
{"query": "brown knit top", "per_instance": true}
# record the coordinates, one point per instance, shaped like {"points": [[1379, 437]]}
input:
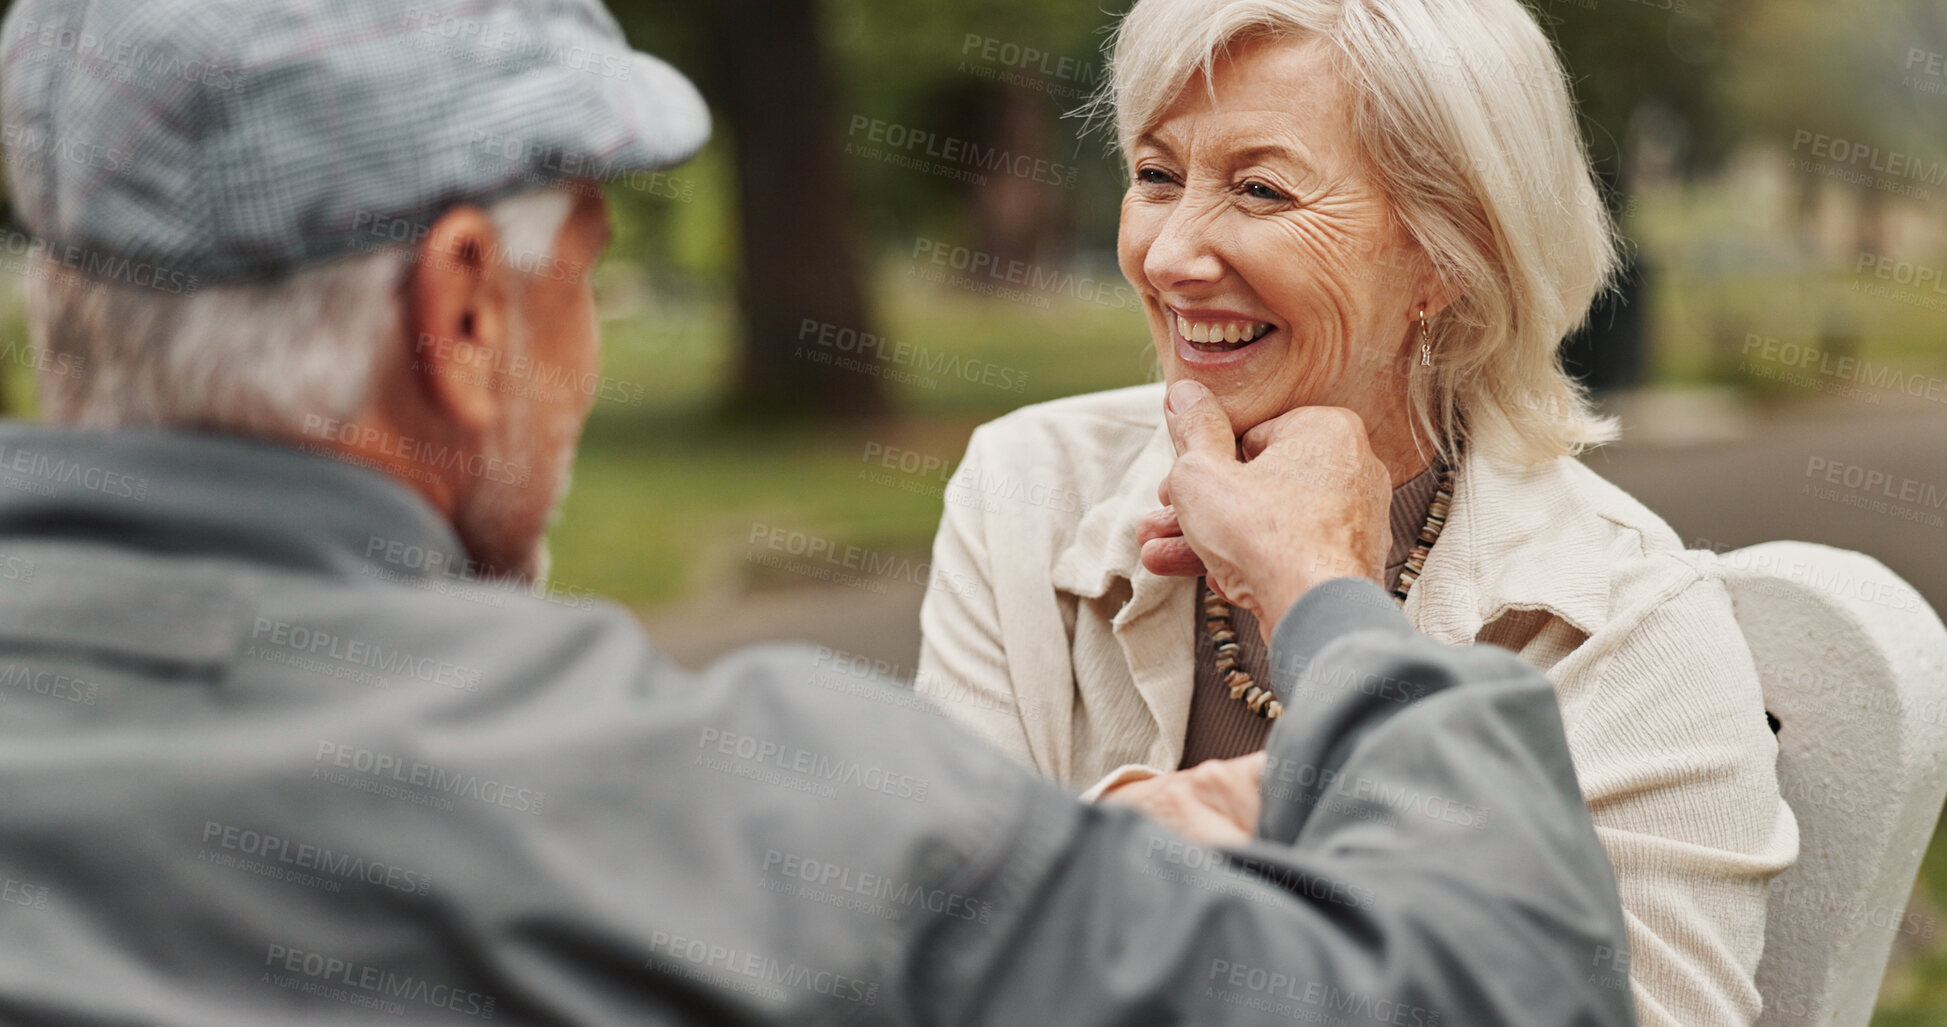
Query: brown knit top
{"points": [[1222, 727]]}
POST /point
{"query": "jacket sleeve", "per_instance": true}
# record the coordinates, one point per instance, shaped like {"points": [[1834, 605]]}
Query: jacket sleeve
{"points": [[1424, 858], [1680, 775], [963, 666]]}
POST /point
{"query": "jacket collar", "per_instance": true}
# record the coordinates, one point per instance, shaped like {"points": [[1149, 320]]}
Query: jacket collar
{"points": [[1516, 538], [220, 496], [1104, 547]]}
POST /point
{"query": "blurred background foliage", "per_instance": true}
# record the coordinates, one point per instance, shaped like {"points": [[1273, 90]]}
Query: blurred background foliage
{"points": [[1699, 115], [1694, 112]]}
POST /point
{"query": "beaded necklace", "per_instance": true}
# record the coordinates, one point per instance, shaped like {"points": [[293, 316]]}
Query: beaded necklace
{"points": [[1216, 612]]}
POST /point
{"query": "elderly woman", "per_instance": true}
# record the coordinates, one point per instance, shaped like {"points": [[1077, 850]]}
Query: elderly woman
{"points": [[1384, 206]]}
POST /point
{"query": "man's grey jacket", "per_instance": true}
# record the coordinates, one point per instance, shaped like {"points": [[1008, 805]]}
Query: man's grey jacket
{"points": [[265, 759]]}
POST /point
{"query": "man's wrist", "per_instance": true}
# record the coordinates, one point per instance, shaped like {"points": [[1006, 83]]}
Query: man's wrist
{"points": [[1326, 613], [1284, 593]]}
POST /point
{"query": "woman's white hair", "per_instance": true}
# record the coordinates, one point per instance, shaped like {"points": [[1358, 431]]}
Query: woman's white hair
{"points": [[1464, 113], [254, 357]]}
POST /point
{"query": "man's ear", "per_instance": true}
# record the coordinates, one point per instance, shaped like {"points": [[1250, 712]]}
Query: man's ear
{"points": [[457, 319]]}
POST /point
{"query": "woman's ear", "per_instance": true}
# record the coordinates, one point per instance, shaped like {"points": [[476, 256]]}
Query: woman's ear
{"points": [[1436, 293], [1441, 289], [456, 313]]}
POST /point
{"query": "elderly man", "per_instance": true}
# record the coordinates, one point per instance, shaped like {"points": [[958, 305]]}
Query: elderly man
{"points": [[279, 746]]}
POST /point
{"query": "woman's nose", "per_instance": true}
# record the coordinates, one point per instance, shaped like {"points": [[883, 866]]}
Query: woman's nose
{"points": [[1183, 251]]}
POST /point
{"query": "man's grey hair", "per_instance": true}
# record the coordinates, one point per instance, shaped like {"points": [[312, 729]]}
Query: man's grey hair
{"points": [[253, 357]]}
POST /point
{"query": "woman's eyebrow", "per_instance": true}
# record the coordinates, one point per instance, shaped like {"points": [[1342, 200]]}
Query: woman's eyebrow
{"points": [[1154, 141], [1273, 152]]}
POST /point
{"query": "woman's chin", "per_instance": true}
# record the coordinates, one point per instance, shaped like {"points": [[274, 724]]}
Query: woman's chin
{"points": [[1243, 411]]}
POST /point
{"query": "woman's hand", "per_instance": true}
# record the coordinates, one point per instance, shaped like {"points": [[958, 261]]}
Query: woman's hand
{"points": [[1306, 504]]}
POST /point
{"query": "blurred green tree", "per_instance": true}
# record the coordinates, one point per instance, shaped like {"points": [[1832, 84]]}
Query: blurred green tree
{"points": [[765, 68]]}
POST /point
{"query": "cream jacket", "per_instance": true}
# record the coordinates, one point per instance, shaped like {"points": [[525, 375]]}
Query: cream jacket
{"points": [[1044, 634]]}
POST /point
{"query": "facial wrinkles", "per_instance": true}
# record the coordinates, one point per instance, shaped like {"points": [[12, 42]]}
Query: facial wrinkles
{"points": [[1320, 238], [1296, 261]]}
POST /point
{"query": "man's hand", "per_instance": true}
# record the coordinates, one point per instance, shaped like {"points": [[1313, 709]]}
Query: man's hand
{"points": [[1213, 803], [1307, 504]]}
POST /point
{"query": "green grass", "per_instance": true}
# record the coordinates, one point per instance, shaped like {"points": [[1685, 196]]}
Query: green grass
{"points": [[666, 495], [1723, 270], [1915, 991]]}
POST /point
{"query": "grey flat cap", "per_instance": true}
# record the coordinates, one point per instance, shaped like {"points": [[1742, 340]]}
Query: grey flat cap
{"points": [[221, 140]]}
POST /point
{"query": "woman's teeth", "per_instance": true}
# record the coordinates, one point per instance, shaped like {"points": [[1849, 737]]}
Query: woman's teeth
{"points": [[1220, 333]]}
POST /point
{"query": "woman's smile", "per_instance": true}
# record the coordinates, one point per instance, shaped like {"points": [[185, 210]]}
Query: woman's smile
{"points": [[1250, 214], [1212, 338]]}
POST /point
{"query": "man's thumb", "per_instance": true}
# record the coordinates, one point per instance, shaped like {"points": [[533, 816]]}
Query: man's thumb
{"points": [[1197, 421]]}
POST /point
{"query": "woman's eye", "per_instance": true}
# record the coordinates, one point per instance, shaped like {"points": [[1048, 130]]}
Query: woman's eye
{"points": [[1153, 176], [1260, 191]]}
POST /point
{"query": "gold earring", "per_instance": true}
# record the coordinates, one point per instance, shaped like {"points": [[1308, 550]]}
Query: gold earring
{"points": [[1426, 342]]}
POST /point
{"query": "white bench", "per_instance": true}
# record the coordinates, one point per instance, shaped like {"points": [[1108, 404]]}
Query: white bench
{"points": [[1854, 666]]}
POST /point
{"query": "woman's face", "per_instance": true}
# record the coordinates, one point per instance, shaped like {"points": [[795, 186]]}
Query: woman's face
{"points": [[1270, 266]]}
